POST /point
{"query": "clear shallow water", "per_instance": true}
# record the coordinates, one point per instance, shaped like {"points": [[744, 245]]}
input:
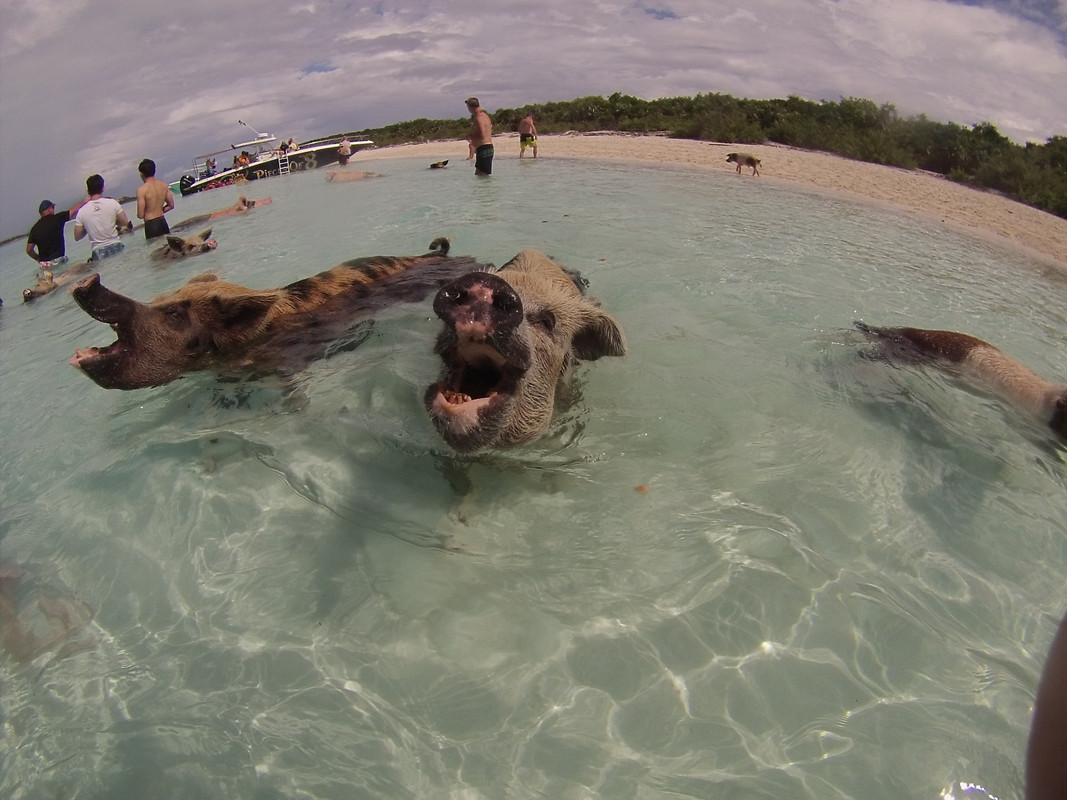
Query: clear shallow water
{"points": [[840, 582]]}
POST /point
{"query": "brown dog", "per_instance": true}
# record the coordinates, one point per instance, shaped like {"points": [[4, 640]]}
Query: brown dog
{"points": [[743, 160], [211, 324], [980, 364]]}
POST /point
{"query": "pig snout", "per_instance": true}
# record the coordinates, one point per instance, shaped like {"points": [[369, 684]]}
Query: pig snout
{"points": [[478, 306], [101, 303]]}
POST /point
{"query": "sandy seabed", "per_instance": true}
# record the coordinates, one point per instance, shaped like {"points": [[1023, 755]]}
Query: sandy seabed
{"points": [[980, 213]]}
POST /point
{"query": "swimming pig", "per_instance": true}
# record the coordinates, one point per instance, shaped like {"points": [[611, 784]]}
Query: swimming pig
{"points": [[980, 364], [508, 343], [211, 324], [180, 247]]}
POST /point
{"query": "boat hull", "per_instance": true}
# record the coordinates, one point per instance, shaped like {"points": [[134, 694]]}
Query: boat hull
{"points": [[302, 160]]}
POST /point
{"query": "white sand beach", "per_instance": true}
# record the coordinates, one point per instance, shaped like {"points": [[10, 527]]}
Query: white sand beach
{"points": [[979, 213]]}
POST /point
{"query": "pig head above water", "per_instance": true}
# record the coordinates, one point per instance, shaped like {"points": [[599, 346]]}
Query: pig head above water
{"points": [[182, 246], [509, 341], [211, 324]]}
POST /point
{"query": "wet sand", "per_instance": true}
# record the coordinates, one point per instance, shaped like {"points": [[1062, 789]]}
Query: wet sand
{"points": [[979, 213]]}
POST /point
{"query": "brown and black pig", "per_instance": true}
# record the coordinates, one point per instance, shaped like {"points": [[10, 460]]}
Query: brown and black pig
{"points": [[980, 364], [182, 246], [211, 324], [509, 341]]}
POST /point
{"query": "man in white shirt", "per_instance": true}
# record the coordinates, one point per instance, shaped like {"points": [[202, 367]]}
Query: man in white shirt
{"points": [[102, 219]]}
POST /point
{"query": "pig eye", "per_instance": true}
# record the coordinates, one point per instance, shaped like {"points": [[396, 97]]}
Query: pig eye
{"points": [[176, 312], [543, 319]]}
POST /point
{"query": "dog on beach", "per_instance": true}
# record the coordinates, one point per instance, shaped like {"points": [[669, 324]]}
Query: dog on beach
{"points": [[743, 160], [979, 363]]}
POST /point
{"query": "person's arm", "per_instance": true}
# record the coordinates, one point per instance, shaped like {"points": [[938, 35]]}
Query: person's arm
{"points": [[124, 224], [168, 201], [1046, 770], [141, 201], [78, 207], [79, 231], [31, 250]]}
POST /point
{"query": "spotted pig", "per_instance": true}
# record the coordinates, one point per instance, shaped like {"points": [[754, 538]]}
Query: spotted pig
{"points": [[212, 324]]}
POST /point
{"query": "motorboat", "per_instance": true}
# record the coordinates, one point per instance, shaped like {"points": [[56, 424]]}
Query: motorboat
{"points": [[259, 158]]}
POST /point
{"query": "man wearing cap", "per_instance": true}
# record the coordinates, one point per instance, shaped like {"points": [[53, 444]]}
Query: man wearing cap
{"points": [[45, 243]]}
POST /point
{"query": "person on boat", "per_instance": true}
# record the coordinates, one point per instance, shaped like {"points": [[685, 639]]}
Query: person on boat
{"points": [[293, 146], [244, 159], [154, 199], [209, 168], [343, 152], [102, 220], [45, 243]]}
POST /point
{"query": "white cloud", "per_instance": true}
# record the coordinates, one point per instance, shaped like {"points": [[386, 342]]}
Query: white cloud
{"points": [[94, 87]]}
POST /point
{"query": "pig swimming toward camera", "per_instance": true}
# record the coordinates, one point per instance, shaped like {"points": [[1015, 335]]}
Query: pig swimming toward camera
{"points": [[509, 342], [211, 324], [182, 246]]}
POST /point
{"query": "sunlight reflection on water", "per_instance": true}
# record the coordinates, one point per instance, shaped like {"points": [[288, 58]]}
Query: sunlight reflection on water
{"points": [[838, 579]]}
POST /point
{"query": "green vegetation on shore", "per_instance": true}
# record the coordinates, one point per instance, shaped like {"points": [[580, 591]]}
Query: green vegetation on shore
{"points": [[979, 156]]}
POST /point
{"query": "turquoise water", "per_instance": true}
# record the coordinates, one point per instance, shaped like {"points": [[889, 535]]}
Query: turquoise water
{"points": [[746, 564]]}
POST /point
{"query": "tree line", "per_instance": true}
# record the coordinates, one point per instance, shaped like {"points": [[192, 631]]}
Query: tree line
{"points": [[978, 156]]}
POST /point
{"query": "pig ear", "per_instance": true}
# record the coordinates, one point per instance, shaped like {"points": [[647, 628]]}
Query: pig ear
{"points": [[204, 277], [599, 336], [175, 243], [205, 235], [239, 318]]}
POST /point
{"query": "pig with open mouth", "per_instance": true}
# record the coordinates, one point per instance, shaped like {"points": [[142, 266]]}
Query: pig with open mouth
{"points": [[509, 342]]}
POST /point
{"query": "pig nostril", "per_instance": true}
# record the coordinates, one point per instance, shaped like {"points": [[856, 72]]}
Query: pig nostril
{"points": [[505, 302]]}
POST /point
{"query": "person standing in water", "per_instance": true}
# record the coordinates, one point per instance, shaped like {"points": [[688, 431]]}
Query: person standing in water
{"points": [[102, 220], [527, 135], [481, 137], [154, 199]]}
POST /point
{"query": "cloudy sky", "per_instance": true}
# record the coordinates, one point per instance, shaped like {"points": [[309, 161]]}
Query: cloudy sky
{"points": [[96, 86]]}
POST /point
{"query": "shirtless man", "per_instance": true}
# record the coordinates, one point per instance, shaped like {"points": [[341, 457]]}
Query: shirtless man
{"points": [[481, 138], [154, 199], [527, 135]]}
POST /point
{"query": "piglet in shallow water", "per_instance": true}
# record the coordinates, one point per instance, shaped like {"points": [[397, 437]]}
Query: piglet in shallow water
{"points": [[508, 344], [182, 246]]}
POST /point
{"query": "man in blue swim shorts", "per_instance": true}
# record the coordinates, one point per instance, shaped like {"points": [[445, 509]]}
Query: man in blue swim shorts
{"points": [[481, 138], [102, 220]]}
